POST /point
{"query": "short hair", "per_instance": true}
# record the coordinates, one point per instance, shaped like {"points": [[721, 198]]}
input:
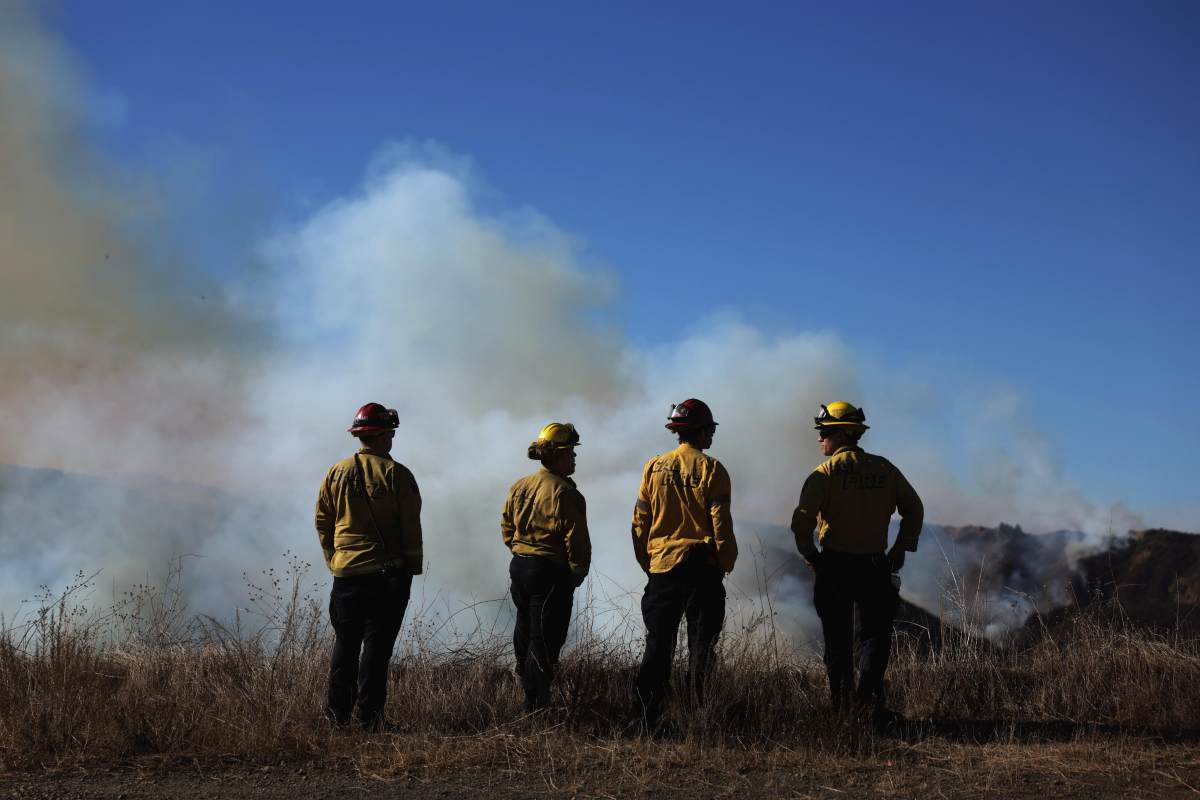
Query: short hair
{"points": [[692, 435], [851, 433], [374, 436]]}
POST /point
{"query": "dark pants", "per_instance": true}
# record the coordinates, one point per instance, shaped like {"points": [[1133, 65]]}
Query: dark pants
{"points": [[844, 580], [542, 591], [366, 612], [693, 589]]}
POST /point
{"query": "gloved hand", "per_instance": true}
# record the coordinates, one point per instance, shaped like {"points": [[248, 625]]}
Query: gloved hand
{"points": [[896, 557]]}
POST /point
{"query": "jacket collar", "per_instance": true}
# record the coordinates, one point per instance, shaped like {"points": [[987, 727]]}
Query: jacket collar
{"points": [[556, 475]]}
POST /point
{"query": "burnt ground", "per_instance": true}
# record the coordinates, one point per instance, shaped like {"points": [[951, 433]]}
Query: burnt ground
{"points": [[523, 766]]}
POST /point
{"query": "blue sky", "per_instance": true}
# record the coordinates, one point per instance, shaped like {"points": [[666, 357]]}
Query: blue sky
{"points": [[1008, 191]]}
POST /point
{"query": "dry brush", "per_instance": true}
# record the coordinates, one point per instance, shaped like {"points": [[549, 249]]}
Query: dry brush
{"points": [[144, 678]]}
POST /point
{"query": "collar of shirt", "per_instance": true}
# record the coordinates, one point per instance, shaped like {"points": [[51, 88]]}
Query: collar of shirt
{"points": [[366, 451], [850, 448]]}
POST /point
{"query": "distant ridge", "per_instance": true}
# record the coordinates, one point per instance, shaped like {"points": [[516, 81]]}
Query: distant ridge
{"points": [[1151, 578]]}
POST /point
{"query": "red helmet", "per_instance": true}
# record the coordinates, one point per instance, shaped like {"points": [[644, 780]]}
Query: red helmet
{"points": [[374, 418], [691, 413]]}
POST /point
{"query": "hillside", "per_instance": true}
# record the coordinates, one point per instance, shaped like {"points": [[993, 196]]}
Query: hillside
{"points": [[1150, 579]]}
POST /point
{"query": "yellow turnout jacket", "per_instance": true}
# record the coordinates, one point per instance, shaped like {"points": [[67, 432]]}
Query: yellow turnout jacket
{"points": [[852, 496], [545, 515], [350, 529], [683, 503]]}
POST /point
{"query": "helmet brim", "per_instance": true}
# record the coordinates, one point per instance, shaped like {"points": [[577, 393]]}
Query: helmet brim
{"points": [[357, 429]]}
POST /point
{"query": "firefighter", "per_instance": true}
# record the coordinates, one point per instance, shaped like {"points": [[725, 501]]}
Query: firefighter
{"points": [[850, 498], [369, 524], [683, 539], [544, 524]]}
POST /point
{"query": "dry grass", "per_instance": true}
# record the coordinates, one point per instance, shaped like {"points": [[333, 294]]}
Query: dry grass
{"points": [[145, 680]]}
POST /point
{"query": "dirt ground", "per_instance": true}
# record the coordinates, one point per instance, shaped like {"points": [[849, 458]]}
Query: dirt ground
{"points": [[388, 768]]}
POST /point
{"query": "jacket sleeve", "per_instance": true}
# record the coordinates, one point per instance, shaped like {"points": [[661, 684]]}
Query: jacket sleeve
{"points": [[508, 528], [575, 532], [720, 491], [804, 519], [408, 498], [325, 517], [912, 513], [641, 521]]}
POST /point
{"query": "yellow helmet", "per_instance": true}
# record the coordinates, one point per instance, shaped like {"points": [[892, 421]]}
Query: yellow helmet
{"points": [[559, 435], [841, 414], [555, 436]]}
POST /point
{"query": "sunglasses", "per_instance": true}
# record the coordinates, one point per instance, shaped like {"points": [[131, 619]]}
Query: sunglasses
{"points": [[825, 433]]}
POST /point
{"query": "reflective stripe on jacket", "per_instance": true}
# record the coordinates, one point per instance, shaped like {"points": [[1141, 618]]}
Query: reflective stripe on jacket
{"points": [[852, 496], [683, 503], [545, 515], [350, 537]]}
